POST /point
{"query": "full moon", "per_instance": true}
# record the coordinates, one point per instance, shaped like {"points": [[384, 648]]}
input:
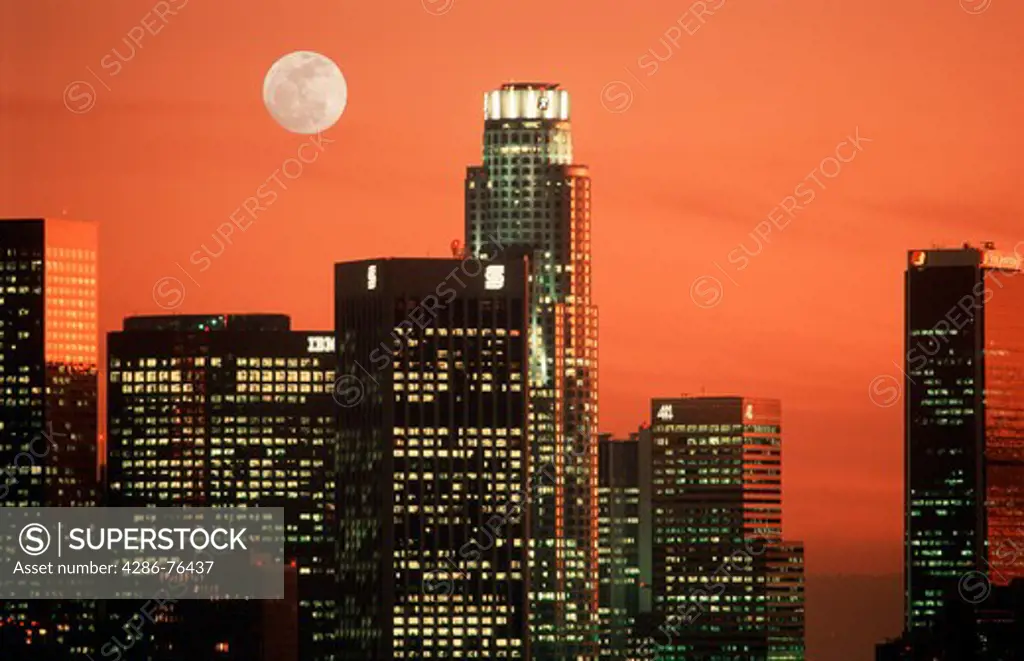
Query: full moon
{"points": [[305, 92]]}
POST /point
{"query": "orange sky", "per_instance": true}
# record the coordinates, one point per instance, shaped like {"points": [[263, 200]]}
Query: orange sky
{"points": [[722, 132]]}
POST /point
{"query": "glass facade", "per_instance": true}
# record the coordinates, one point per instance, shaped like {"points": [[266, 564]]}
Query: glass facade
{"points": [[624, 539], [231, 411], [964, 446], [726, 585], [48, 398], [433, 472], [528, 192], [1003, 373]]}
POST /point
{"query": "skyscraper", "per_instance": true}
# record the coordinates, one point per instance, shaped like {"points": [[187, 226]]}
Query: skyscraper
{"points": [[433, 471], [49, 346], [49, 384], [624, 538], [964, 425], [726, 585], [528, 191], [229, 411]]}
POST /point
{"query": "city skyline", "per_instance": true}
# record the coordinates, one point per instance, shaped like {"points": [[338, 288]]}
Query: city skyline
{"points": [[686, 150], [786, 557], [694, 169]]}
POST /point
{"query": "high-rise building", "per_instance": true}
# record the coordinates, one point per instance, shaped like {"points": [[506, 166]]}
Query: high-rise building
{"points": [[49, 349], [528, 191], [964, 425], [48, 397], [624, 538], [228, 411], [726, 584], [433, 472]]}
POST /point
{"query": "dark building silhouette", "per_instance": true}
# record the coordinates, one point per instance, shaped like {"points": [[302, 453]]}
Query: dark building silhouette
{"points": [[964, 412], [434, 476], [991, 630], [624, 538], [726, 584], [256, 630], [224, 630], [228, 411], [528, 191], [49, 347]]}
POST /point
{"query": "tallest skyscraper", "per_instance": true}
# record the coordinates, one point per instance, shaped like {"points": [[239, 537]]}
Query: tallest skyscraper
{"points": [[528, 191]]}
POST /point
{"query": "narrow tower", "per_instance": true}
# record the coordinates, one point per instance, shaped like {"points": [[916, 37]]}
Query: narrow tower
{"points": [[529, 192], [964, 499], [49, 386]]}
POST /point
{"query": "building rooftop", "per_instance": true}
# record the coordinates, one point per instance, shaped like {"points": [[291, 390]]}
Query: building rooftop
{"points": [[208, 322], [985, 256], [529, 86]]}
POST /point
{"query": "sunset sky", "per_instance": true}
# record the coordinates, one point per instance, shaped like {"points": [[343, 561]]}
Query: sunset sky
{"points": [[735, 117]]}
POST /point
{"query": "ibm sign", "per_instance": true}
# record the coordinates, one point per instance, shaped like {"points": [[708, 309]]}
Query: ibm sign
{"points": [[320, 344]]}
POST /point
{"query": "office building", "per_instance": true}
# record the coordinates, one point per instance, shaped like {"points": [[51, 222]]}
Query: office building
{"points": [[727, 585], [48, 398], [228, 411], [528, 191], [624, 538], [964, 425], [434, 474]]}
